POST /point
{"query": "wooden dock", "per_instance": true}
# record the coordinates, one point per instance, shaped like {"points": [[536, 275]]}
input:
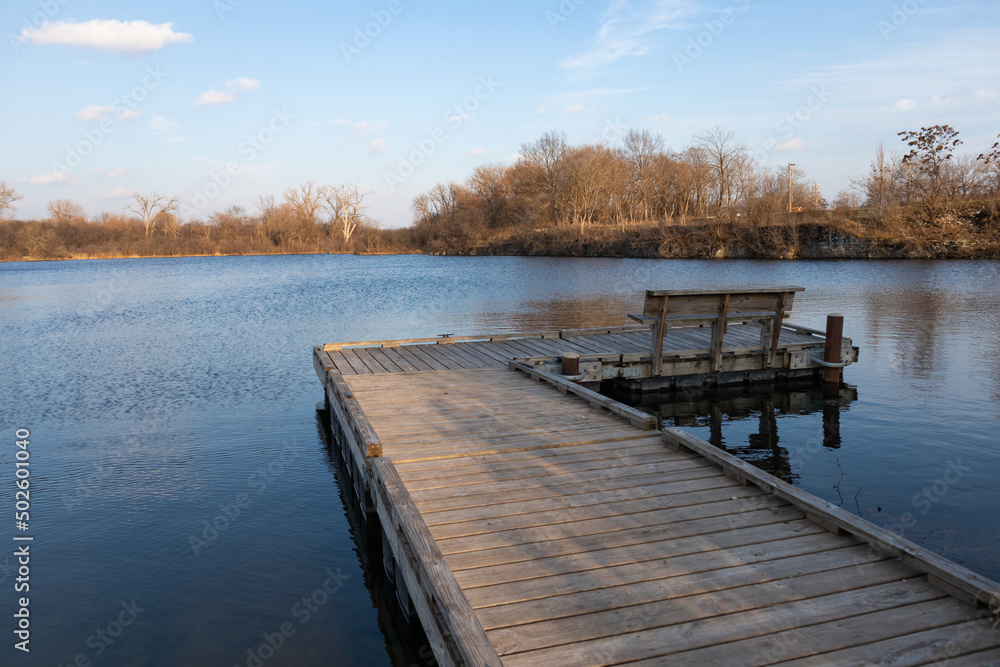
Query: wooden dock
{"points": [[531, 521]]}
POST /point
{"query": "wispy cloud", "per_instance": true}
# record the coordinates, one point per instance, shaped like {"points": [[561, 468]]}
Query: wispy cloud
{"points": [[161, 124], [341, 121], [214, 96], [628, 29], [56, 177], [905, 104], [575, 108], [243, 83], [96, 112], [376, 147], [107, 35], [793, 144], [365, 128], [479, 151], [115, 192], [659, 118]]}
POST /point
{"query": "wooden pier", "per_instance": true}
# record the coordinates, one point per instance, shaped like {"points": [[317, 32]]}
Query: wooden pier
{"points": [[531, 521]]}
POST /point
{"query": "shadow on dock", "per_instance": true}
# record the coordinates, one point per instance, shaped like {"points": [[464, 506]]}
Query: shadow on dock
{"points": [[405, 641], [713, 408]]}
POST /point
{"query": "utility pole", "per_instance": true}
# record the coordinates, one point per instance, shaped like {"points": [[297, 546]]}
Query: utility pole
{"points": [[790, 165], [815, 194]]}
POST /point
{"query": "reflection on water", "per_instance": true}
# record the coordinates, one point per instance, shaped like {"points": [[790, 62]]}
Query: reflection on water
{"points": [[761, 407], [405, 641]]}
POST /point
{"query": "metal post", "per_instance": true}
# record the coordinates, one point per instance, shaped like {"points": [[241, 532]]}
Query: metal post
{"points": [[834, 340], [790, 165]]}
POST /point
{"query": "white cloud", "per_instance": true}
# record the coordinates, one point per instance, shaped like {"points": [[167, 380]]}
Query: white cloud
{"points": [[659, 118], [987, 95], [243, 83], [905, 105], [161, 124], [107, 35], [627, 28], [129, 114], [115, 192], [364, 128], [211, 98], [479, 151], [376, 147], [94, 112], [574, 108], [515, 157], [341, 121], [48, 179], [793, 144]]}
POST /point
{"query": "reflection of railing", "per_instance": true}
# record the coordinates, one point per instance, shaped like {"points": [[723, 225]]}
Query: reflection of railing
{"points": [[712, 408]]}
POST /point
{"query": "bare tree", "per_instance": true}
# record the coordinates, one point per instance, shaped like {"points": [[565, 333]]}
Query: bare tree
{"points": [[642, 148], [723, 154], [545, 157], [879, 186], [305, 201], [151, 208], [345, 203], [65, 210], [7, 198]]}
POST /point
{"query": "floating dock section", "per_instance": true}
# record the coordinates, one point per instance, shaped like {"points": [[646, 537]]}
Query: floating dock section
{"points": [[531, 521]]}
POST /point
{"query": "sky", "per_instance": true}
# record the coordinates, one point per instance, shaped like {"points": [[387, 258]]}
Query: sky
{"points": [[219, 102]]}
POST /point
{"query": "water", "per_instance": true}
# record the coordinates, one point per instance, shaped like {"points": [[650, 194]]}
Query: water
{"points": [[167, 395]]}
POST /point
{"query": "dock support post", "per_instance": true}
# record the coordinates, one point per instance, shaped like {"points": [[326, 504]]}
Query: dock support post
{"points": [[570, 363], [834, 340]]}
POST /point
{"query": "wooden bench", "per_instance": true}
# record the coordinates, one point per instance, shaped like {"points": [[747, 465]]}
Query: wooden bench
{"points": [[766, 306]]}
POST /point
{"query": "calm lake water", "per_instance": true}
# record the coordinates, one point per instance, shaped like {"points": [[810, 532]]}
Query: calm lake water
{"points": [[167, 395]]}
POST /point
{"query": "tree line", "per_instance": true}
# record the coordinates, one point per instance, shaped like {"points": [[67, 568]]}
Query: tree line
{"points": [[552, 185], [308, 218]]}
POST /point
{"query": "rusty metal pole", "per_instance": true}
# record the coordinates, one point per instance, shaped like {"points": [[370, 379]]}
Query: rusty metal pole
{"points": [[834, 340]]}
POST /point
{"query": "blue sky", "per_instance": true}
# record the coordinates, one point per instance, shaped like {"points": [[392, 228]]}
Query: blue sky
{"points": [[220, 101]]}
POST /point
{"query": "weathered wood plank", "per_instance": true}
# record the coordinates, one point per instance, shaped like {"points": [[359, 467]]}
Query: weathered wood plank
{"points": [[674, 611], [438, 598], [673, 639], [491, 574], [939, 644], [842, 561], [575, 582], [976, 587], [638, 418]]}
